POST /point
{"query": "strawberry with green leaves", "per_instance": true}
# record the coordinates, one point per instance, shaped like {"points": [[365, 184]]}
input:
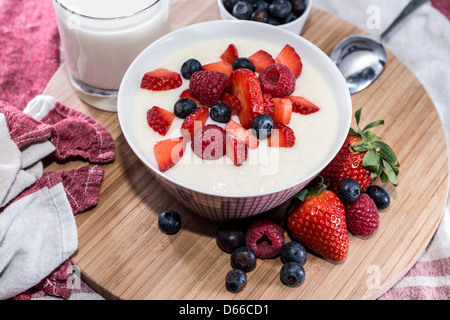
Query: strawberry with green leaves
{"points": [[363, 157], [316, 218]]}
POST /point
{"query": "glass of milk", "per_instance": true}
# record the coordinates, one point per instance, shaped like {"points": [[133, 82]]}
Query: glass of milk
{"points": [[100, 39]]}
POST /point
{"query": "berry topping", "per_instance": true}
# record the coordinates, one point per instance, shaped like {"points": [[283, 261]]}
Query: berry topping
{"points": [[189, 67], [184, 107], [220, 66], [242, 134], [169, 152], [220, 112], [293, 251], [230, 236], [302, 106], [245, 86], [235, 280], [289, 57], [230, 54], [243, 63], [282, 137], [348, 190], [282, 111], [277, 80], [237, 151], [160, 120], [232, 102], [261, 60], [380, 196], [292, 274], [193, 122], [209, 143], [362, 216], [263, 126], [265, 237], [208, 86], [161, 79], [187, 94], [243, 258], [169, 222]]}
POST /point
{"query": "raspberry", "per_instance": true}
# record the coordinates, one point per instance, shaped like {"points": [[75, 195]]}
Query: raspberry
{"points": [[210, 142], [277, 80], [208, 86], [362, 216], [265, 237]]}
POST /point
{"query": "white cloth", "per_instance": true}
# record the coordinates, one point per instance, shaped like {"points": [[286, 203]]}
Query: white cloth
{"points": [[37, 234]]}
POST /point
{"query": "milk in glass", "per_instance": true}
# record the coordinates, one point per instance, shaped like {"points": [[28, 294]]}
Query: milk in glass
{"points": [[100, 39]]}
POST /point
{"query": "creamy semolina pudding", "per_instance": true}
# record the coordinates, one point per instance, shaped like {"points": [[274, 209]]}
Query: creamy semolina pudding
{"points": [[266, 169]]}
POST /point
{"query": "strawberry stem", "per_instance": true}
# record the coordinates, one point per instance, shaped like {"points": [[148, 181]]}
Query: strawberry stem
{"points": [[314, 188], [379, 159]]}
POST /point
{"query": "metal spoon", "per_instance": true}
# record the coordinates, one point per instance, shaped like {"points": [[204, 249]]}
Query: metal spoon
{"points": [[361, 59]]}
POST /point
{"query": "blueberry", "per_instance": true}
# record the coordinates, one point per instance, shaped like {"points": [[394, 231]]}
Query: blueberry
{"points": [[274, 21], [230, 236], [293, 252], [280, 9], [229, 4], [260, 16], [220, 112], [235, 280], [184, 107], [261, 5], [263, 125], [190, 67], [243, 10], [291, 17], [169, 222], [292, 274], [348, 190], [298, 7], [380, 196], [243, 63], [243, 258]]}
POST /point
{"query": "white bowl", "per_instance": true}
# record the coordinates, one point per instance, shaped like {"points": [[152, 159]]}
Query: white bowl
{"points": [[295, 26], [221, 207]]}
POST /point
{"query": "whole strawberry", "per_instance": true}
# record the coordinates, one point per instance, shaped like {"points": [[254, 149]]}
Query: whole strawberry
{"points": [[362, 216], [362, 157], [318, 222]]}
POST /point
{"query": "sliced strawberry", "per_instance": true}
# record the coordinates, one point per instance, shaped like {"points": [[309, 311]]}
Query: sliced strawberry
{"points": [[282, 110], [187, 94], [245, 86], [302, 106], [169, 152], [230, 54], [196, 120], [282, 136], [160, 119], [160, 80], [236, 150], [232, 102], [269, 107], [242, 134], [220, 66], [289, 57], [261, 60]]}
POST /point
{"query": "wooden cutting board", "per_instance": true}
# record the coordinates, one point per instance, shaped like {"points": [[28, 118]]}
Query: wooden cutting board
{"points": [[123, 255]]}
